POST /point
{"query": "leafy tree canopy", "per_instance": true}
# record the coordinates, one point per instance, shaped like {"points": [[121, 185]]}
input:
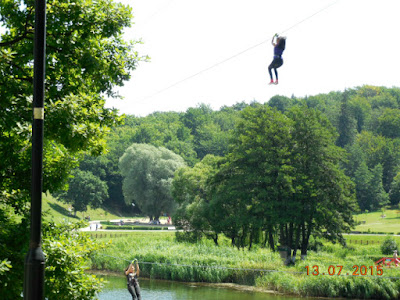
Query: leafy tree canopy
{"points": [[86, 58], [148, 172], [85, 189]]}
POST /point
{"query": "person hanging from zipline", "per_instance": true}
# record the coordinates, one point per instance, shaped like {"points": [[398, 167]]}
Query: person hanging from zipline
{"points": [[279, 47], [132, 273]]}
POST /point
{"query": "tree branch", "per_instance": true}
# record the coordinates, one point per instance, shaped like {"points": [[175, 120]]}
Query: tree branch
{"points": [[24, 34]]}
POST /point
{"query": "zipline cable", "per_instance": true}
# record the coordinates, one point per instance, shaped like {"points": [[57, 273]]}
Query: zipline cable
{"points": [[309, 17], [237, 54], [237, 269]]}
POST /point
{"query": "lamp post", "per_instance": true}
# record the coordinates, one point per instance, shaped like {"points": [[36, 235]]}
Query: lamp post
{"points": [[35, 260]]}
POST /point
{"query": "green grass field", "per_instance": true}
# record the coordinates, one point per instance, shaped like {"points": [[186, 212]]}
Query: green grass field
{"points": [[374, 222], [57, 211], [370, 222]]}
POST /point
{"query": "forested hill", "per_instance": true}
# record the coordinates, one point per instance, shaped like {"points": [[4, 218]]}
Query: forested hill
{"points": [[367, 120]]}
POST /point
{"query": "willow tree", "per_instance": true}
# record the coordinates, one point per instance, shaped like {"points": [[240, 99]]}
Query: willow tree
{"points": [[148, 172]]}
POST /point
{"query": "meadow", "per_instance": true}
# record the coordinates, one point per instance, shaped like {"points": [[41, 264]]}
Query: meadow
{"points": [[58, 211], [387, 221], [162, 257]]}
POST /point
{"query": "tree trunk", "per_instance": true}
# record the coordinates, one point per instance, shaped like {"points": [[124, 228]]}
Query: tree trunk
{"points": [[296, 244], [265, 239], [306, 232], [215, 239], [271, 240], [251, 239]]}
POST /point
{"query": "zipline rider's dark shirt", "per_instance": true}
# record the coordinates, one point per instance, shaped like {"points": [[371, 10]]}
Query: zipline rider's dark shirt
{"points": [[130, 278], [278, 52]]}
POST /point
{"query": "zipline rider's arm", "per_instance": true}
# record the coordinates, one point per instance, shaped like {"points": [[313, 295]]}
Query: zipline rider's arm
{"points": [[137, 268], [272, 42]]}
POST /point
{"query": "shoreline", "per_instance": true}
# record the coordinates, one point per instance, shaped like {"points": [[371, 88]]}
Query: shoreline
{"points": [[233, 286]]}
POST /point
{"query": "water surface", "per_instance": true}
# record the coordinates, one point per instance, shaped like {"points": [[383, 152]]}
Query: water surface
{"points": [[168, 290]]}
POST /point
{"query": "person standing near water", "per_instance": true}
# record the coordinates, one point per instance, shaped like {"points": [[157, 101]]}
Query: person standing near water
{"points": [[132, 274]]}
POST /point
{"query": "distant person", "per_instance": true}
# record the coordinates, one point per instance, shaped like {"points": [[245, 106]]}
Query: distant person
{"points": [[132, 274], [279, 47]]}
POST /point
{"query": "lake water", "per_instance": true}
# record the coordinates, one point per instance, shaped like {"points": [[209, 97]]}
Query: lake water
{"points": [[168, 290]]}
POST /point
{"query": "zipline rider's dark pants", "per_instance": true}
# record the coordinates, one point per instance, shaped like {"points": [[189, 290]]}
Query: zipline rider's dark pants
{"points": [[134, 289], [276, 63]]}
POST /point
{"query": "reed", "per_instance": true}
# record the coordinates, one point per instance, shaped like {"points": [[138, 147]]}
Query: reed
{"points": [[162, 257]]}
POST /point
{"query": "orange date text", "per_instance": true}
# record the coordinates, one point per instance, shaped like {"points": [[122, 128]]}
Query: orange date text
{"points": [[336, 270]]}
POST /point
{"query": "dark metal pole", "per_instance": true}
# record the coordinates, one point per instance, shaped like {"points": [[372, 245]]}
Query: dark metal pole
{"points": [[35, 260]]}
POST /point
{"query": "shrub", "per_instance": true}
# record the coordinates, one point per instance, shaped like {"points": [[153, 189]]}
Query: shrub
{"points": [[188, 236], [315, 244], [389, 245], [127, 227]]}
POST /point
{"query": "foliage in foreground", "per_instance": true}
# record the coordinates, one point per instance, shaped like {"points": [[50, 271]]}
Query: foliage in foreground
{"points": [[86, 58], [67, 251], [4, 267]]}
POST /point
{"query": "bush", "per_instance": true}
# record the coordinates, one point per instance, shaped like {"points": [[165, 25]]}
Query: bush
{"points": [[315, 244], [389, 245], [67, 252], [188, 236], [5, 266], [127, 227]]}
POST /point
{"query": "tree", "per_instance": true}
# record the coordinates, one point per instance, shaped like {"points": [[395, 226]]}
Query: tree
{"points": [[194, 119], [362, 179], [323, 197], [86, 58], [361, 109], [85, 189], [378, 196], [282, 176], [389, 123], [256, 180], [281, 103], [191, 192], [347, 123], [148, 172], [394, 193]]}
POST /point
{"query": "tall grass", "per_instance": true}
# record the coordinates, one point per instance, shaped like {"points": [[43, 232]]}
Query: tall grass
{"points": [[202, 262], [331, 286], [164, 258]]}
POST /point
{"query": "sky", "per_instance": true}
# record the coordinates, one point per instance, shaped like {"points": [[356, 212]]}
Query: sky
{"points": [[351, 43]]}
